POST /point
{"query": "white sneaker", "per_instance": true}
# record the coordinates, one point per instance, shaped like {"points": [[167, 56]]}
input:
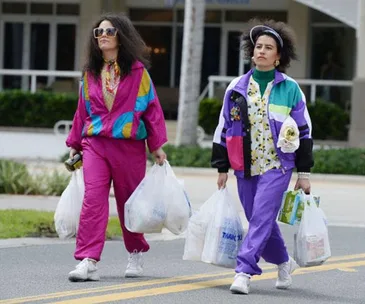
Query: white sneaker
{"points": [[86, 270], [135, 265], [284, 273], [241, 283]]}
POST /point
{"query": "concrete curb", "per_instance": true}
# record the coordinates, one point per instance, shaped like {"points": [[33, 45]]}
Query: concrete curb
{"points": [[314, 176]]}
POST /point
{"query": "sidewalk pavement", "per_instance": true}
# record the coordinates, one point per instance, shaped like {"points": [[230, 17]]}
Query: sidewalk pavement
{"points": [[342, 197], [43, 144]]}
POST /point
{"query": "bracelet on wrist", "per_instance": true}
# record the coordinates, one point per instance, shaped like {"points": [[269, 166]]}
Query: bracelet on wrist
{"points": [[303, 175]]}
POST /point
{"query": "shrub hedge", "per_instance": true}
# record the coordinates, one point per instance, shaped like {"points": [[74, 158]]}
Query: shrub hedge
{"points": [[15, 178], [334, 161], [44, 109], [40, 110], [329, 121]]}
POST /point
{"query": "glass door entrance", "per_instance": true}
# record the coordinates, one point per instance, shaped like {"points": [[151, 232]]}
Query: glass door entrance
{"points": [[12, 53], [36, 43], [232, 57]]}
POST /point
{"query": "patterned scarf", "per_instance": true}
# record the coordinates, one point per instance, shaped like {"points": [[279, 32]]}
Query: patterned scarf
{"points": [[112, 76], [110, 79]]}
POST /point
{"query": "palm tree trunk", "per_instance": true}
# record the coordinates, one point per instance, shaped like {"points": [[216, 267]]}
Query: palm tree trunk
{"points": [[190, 72]]}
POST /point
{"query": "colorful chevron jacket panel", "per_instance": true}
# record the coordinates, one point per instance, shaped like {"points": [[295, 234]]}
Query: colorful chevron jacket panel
{"points": [[135, 115]]}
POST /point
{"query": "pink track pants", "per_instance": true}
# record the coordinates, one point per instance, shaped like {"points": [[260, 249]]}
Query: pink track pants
{"points": [[106, 160]]}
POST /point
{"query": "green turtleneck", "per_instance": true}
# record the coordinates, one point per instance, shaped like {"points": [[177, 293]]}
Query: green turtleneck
{"points": [[263, 78]]}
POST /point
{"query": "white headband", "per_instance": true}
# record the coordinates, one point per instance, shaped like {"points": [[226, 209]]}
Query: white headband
{"points": [[266, 29]]}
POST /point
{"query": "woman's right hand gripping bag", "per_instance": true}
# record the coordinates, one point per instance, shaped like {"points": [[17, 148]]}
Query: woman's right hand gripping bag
{"points": [[197, 227], [224, 233], [67, 214], [312, 245]]}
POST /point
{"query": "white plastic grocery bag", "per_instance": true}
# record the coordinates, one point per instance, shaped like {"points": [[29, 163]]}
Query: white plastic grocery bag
{"points": [[176, 201], [312, 245], [224, 233], [145, 210], [68, 209], [198, 222]]}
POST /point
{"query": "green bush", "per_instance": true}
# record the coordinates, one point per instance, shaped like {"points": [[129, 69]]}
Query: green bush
{"points": [[341, 161], [15, 179], [334, 161], [41, 109], [209, 110], [329, 121], [186, 156]]}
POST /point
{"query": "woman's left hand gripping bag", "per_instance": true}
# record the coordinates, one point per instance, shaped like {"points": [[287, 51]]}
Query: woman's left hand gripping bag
{"points": [[159, 201], [145, 210], [68, 209]]}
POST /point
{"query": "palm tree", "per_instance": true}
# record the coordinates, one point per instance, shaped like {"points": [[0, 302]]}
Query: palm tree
{"points": [[190, 72]]}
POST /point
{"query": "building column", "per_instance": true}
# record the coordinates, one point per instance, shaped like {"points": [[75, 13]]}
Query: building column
{"points": [[114, 6], [298, 19], [357, 123], [90, 11]]}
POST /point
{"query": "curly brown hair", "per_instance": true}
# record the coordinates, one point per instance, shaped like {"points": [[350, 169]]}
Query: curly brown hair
{"points": [[287, 52], [132, 47]]}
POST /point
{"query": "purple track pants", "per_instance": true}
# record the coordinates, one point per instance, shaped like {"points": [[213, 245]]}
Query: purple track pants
{"points": [[261, 197]]}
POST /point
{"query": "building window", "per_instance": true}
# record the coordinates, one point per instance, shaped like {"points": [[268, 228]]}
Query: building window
{"points": [[39, 50], [158, 39], [66, 45], [14, 8], [210, 57], [333, 45], [152, 15], [211, 16], [68, 9], [334, 61], [244, 16], [13, 53], [41, 8]]}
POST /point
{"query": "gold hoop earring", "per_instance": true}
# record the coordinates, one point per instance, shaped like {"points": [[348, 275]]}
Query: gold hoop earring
{"points": [[253, 60], [276, 63]]}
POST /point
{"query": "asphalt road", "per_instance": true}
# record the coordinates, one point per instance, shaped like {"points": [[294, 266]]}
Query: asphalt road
{"points": [[38, 274]]}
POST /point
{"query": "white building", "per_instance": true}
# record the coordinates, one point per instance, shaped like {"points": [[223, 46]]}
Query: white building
{"points": [[50, 35]]}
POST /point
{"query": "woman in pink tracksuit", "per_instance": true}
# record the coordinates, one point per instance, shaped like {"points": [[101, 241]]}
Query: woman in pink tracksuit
{"points": [[118, 112]]}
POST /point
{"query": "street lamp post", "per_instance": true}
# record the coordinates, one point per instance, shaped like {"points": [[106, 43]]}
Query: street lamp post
{"points": [[357, 127]]}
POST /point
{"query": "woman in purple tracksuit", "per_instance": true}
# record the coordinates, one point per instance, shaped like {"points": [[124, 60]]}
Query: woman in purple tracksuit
{"points": [[246, 139]]}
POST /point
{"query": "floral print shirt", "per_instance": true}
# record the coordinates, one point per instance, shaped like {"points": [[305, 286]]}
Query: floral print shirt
{"points": [[263, 155]]}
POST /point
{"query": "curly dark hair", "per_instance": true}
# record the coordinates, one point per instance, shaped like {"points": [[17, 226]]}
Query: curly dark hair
{"points": [[131, 46], [287, 52]]}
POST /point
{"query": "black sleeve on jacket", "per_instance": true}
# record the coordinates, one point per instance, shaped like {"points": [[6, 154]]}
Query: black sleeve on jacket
{"points": [[220, 158], [304, 155]]}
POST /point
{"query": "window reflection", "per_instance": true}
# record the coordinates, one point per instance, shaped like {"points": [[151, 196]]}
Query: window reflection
{"points": [[39, 45], [13, 53], [158, 39], [335, 61]]}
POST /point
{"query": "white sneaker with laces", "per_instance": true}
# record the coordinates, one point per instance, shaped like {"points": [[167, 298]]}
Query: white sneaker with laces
{"points": [[135, 265], [86, 270], [284, 273], [241, 283]]}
